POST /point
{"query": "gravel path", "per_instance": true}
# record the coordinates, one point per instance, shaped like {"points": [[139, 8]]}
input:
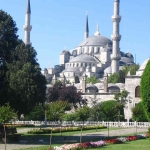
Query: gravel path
{"points": [[74, 138]]}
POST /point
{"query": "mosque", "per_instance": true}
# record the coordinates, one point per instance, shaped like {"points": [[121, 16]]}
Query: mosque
{"points": [[96, 56]]}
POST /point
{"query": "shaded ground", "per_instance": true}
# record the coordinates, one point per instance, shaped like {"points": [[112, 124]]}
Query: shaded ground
{"points": [[38, 140]]}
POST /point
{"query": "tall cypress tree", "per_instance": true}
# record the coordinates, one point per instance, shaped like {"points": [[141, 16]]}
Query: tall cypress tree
{"points": [[8, 42], [145, 90], [27, 84]]}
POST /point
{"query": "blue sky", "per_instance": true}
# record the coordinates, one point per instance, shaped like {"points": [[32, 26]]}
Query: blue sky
{"points": [[57, 24]]}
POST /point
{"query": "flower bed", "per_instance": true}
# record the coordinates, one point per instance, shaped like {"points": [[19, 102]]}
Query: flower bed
{"points": [[86, 145], [19, 125], [63, 129]]}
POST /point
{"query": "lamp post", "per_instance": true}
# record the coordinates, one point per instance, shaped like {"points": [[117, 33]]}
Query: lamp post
{"points": [[45, 119]]}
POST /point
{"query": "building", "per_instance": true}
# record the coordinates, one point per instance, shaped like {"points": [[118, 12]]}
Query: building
{"points": [[96, 56]]}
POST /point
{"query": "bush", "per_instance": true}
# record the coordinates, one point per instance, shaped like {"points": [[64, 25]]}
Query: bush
{"points": [[63, 129]]}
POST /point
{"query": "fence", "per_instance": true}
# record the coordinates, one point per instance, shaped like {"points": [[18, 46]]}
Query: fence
{"points": [[89, 123]]}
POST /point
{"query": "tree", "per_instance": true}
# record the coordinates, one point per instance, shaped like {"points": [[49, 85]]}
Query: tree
{"points": [[121, 101], [83, 113], [145, 90], [138, 113], [120, 77], [95, 109], [92, 80], [7, 113], [27, 86], [55, 110], [8, 42], [113, 78], [110, 110], [37, 113], [65, 93]]}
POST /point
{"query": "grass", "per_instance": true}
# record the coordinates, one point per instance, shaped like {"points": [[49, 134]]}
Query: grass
{"points": [[74, 132], [132, 145], [143, 144]]}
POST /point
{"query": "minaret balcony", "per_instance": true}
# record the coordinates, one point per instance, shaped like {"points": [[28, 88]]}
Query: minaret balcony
{"points": [[116, 37], [27, 27], [116, 18], [115, 56]]}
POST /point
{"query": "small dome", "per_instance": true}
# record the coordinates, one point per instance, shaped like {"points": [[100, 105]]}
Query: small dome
{"points": [[126, 60], [83, 58], [65, 52], [91, 87], [129, 55], [108, 70], [96, 41]]}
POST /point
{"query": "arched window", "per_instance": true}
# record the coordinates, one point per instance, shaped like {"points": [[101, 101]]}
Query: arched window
{"points": [[137, 91]]}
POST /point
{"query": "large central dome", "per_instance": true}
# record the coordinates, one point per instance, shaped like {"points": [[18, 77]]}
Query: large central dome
{"points": [[96, 41]]}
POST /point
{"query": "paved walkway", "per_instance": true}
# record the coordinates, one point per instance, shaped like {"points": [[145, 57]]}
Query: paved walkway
{"points": [[23, 145]]}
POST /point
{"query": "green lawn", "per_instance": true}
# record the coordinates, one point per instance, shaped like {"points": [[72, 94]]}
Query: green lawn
{"points": [[132, 145], [74, 132]]}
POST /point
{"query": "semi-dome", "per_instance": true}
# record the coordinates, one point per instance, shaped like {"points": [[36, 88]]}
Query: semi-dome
{"points": [[142, 67], [83, 58], [71, 69], [96, 41]]}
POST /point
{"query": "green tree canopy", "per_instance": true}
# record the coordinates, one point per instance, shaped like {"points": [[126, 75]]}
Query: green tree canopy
{"points": [[7, 113], [120, 77], [110, 110], [8, 42], [145, 90], [92, 80], [27, 84], [83, 113], [37, 114], [138, 113], [56, 110]]}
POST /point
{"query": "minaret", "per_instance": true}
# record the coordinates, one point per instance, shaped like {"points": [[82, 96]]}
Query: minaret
{"points": [[27, 27], [115, 57], [97, 30], [86, 34]]}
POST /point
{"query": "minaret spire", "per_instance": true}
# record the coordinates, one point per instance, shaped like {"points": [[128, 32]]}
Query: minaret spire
{"points": [[28, 8], [97, 30], [86, 34], [27, 27], [115, 57]]}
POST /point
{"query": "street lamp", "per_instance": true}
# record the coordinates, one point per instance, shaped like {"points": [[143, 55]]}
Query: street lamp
{"points": [[45, 119]]}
